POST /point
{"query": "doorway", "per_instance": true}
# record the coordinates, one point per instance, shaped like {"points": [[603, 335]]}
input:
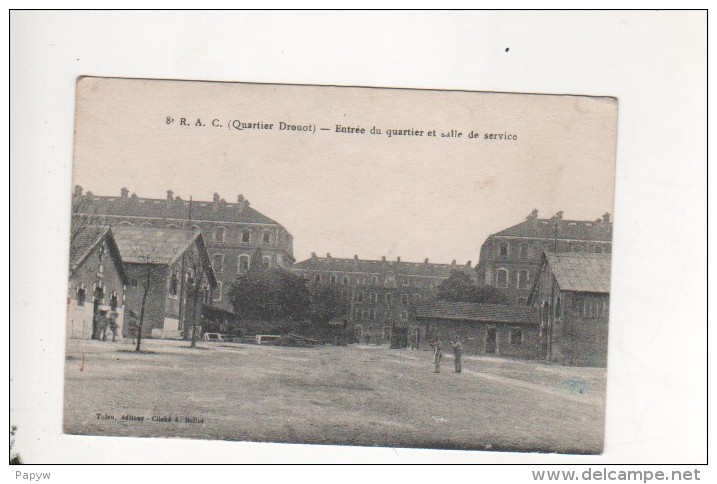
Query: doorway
{"points": [[491, 341]]}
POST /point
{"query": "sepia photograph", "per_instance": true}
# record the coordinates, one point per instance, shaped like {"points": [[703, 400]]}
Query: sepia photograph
{"points": [[356, 266]]}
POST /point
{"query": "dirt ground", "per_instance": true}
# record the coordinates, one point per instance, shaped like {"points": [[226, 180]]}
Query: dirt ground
{"points": [[355, 395]]}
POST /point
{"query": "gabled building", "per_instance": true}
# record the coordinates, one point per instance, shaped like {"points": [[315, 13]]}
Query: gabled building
{"points": [[231, 231], [510, 259], [97, 282], [572, 293], [485, 329], [381, 294], [170, 271]]}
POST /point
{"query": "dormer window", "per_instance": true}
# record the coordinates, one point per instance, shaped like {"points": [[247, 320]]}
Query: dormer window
{"points": [[266, 237], [503, 249], [219, 234], [245, 236]]}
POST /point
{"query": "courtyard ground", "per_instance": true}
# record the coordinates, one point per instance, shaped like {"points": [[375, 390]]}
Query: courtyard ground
{"points": [[355, 395]]}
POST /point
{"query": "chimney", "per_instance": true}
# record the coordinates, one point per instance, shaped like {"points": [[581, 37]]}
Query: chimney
{"points": [[558, 216], [328, 255], [313, 255], [242, 203], [355, 257], [468, 264], [533, 215], [215, 207], [170, 197], [383, 258], [425, 261], [606, 217], [454, 262], [77, 193], [398, 259], [124, 193]]}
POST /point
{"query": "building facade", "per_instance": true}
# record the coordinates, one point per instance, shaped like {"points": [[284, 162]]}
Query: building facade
{"points": [[484, 329], [170, 279], [510, 259], [231, 231], [572, 294], [97, 282], [381, 294]]}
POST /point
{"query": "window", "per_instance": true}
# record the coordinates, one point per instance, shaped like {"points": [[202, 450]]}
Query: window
{"points": [[125, 223], [245, 236], [113, 301], [503, 249], [558, 309], [317, 277], [218, 296], [193, 227], [345, 281], [266, 262], [405, 282], [146, 224], [416, 297], [404, 316], [172, 226], [598, 249], [219, 234], [190, 276], [501, 278], [266, 237], [207, 294], [404, 299], [173, 284], [218, 262], [523, 252], [522, 279], [332, 278], [417, 283], [102, 252], [374, 280], [359, 296], [244, 264], [516, 337], [81, 295], [372, 298], [372, 314], [101, 268], [578, 248], [389, 298], [99, 293]]}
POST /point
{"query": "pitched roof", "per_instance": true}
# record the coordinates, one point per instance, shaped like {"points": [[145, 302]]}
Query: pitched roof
{"points": [[488, 313], [84, 241], [567, 229], [153, 245], [334, 264], [580, 272], [176, 209]]}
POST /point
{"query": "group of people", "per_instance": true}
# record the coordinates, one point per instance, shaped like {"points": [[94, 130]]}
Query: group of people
{"points": [[437, 346]]}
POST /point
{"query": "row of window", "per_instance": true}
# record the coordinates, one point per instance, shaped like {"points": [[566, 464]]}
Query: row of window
{"points": [[388, 298], [98, 294], [370, 315], [219, 232], [502, 279], [504, 250], [243, 264], [591, 307], [372, 280]]}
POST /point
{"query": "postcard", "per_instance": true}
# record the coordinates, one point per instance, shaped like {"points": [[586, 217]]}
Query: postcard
{"points": [[340, 265]]}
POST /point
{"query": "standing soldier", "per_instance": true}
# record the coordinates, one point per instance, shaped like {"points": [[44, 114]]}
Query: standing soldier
{"points": [[437, 346], [457, 352]]}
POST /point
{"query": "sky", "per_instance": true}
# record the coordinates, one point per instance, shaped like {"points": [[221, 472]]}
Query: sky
{"points": [[347, 194]]}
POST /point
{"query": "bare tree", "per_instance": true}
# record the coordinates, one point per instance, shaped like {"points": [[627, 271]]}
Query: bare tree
{"points": [[149, 268]]}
